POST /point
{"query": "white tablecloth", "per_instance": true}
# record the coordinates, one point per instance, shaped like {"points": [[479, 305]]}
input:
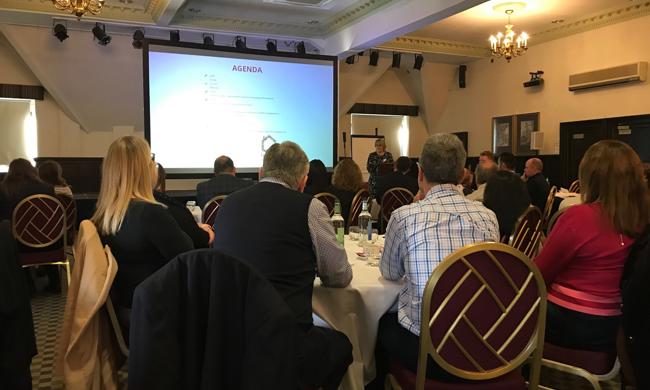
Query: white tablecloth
{"points": [[355, 311]]}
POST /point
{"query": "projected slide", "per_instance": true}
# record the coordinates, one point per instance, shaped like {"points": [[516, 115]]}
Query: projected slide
{"points": [[208, 104]]}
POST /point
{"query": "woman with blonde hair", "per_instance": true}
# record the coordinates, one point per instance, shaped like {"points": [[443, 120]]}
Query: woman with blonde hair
{"points": [[346, 181], [375, 160], [141, 233], [582, 261]]}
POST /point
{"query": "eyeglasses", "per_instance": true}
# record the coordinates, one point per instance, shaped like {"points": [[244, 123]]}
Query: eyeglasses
{"points": [[153, 156]]}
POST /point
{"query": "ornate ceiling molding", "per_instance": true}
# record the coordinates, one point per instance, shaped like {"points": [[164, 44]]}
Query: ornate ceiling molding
{"points": [[353, 13], [435, 46], [244, 26]]}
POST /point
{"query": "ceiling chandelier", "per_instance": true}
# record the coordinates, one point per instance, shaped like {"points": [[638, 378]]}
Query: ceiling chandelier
{"points": [[508, 44], [79, 7]]}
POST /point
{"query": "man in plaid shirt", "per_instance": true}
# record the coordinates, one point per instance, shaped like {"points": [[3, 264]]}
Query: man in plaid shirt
{"points": [[419, 236]]}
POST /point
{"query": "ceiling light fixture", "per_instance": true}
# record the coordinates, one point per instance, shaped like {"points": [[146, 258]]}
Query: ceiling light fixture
{"points": [[300, 48], [79, 7], [99, 32], [60, 32], [208, 39], [419, 60], [174, 36], [138, 37], [374, 58], [508, 44], [271, 45], [397, 59], [350, 60], [240, 42]]}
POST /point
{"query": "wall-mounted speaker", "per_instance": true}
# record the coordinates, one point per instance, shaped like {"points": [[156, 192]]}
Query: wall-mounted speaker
{"points": [[461, 76]]}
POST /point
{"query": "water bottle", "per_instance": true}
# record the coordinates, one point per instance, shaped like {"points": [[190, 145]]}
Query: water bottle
{"points": [[195, 210], [339, 223], [364, 221]]}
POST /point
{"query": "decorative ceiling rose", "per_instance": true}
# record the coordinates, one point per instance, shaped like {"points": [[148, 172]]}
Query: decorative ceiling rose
{"points": [[508, 44], [79, 7]]}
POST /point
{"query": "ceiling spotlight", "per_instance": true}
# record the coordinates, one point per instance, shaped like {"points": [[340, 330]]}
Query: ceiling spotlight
{"points": [[374, 58], [419, 60], [271, 45], [175, 36], [99, 32], [300, 48], [208, 39], [61, 32], [138, 37], [240, 42], [350, 60], [397, 58]]}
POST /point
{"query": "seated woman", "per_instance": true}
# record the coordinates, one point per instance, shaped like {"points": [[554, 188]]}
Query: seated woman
{"points": [[583, 258], [201, 234], [346, 181], [317, 179], [506, 195], [50, 172], [141, 233], [20, 182]]}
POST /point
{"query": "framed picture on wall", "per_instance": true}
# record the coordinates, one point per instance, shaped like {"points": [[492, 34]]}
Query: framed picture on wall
{"points": [[526, 125], [502, 134]]}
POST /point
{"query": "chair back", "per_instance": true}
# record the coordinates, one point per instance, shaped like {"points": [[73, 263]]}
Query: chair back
{"points": [[328, 199], [553, 220], [115, 325], [392, 200], [527, 232], [355, 206], [483, 314], [70, 207], [548, 208], [575, 186], [211, 209]]}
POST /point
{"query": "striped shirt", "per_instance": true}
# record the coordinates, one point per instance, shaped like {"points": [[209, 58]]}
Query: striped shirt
{"points": [[420, 235]]}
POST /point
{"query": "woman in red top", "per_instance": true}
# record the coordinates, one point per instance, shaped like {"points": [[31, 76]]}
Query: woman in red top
{"points": [[583, 259]]}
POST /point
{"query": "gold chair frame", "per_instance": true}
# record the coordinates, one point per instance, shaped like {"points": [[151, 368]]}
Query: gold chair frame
{"points": [[355, 206], [521, 230], [383, 217], [534, 346], [115, 324], [549, 205], [553, 220], [575, 186], [217, 199], [327, 194], [63, 235]]}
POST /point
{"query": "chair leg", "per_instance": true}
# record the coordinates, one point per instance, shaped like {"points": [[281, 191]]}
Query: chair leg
{"points": [[67, 271]]}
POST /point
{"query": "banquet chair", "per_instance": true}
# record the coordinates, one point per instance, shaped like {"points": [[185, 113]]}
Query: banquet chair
{"points": [[328, 200], [527, 233], [548, 208], [39, 224], [116, 327], [483, 316], [575, 186], [211, 209], [595, 367], [391, 201], [355, 207], [553, 220], [70, 207]]}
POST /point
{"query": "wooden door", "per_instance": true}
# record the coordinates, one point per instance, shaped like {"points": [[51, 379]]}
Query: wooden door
{"points": [[633, 130], [575, 139]]}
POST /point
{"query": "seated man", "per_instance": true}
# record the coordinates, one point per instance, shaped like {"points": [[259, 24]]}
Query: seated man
{"points": [[224, 182], [507, 162], [288, 237], [483, 173], [398, 178], [418, 237], [538, 187]]}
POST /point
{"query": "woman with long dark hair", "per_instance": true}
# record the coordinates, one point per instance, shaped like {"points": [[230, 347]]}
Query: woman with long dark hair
{"points": [[20, 182]]}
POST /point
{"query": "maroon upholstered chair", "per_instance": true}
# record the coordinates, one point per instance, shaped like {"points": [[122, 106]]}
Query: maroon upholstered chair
{"points": [[554, 219], [211, 209], [38, 223], [70, 207], [592, 366], [328, 199], [355, 206], [392, 200], [527, 233], [548, 208], [575, 186], [483, 315]]}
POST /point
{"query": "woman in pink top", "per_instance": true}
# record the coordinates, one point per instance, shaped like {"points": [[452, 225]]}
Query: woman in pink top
{"points": [[583, 259]]}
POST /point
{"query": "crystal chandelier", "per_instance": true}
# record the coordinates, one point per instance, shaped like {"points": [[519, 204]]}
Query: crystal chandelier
{"points": [[508, 45], [79, 7]]}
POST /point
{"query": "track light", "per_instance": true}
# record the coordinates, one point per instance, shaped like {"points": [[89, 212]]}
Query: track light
{"points": [[397, 58], [350, 60], [208, 39], [240, 42], [300, 48], [99, 32], [175, 36], [61, 32], [419, 60], [138, 37], [374, 58], [271, 45]]}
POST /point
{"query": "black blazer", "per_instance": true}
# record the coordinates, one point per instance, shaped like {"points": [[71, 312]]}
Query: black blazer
{"points": [[185, 220], [222, 184], [394, 180], [208, 321]]}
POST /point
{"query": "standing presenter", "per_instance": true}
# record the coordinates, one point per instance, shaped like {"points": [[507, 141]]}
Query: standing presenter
{"points": [[375, 159]]}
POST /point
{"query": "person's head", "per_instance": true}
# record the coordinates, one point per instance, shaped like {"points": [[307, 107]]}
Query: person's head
{"points": [[128, 173], [286, 162], [50, 172], [442, 161], [380, 145], [506, 195], [611, 173], [486, 155], [224, 164], [403, 165], [467, 179], [347, 175], [533, 167], [20, 171], [507, 161], [485, 171], [160, 178], [317, 176]]}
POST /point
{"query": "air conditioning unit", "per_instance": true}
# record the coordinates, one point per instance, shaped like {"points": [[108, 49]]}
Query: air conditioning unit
{"points": [[616, 75]]}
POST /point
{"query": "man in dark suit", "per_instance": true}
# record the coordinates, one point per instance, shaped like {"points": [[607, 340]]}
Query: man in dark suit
{"points": [[398, 178], [538, 187], [224, 181]]}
